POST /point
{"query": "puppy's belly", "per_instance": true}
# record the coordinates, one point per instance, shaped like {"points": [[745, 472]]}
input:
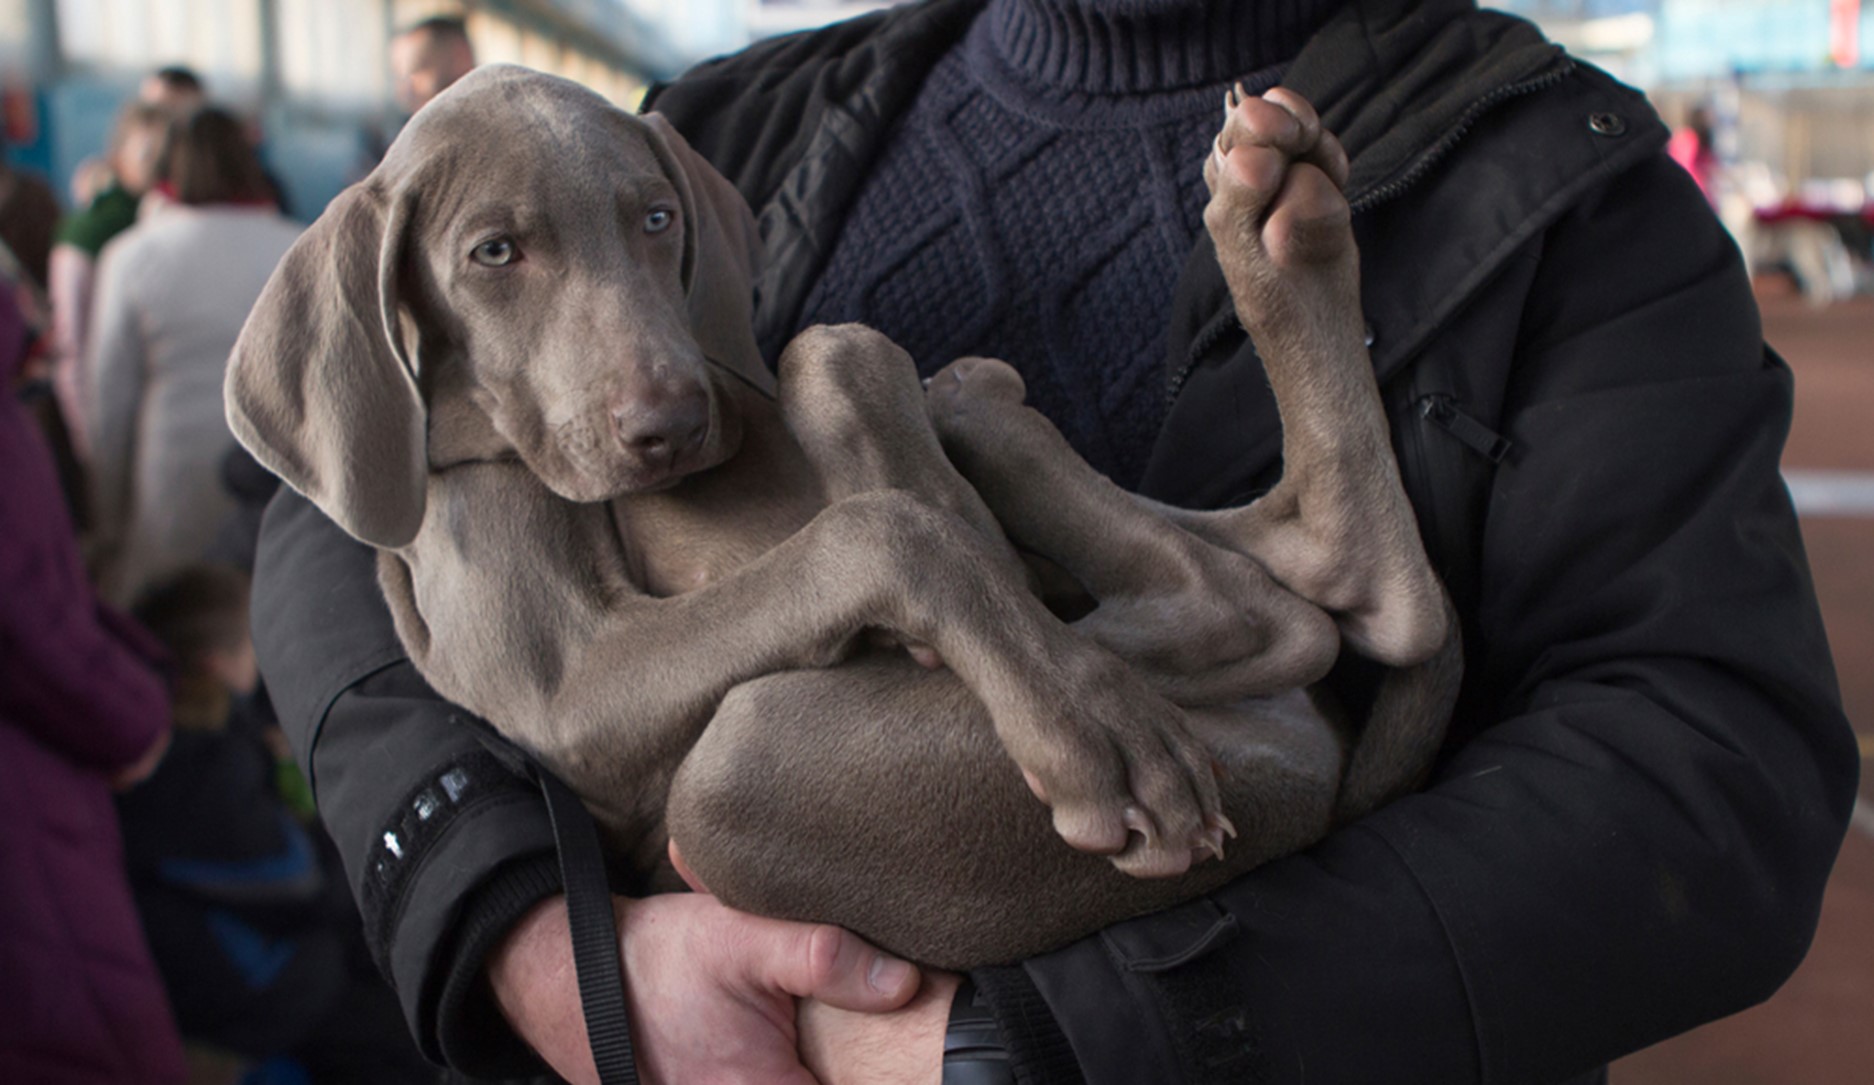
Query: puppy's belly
{"points": [[876, 795]]}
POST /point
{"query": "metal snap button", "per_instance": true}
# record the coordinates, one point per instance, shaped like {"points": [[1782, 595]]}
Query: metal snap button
{"points": [[1607, 124]]}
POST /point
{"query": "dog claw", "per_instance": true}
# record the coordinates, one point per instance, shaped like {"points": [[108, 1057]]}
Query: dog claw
{"points": [[1210, 842], [1221, 826]]}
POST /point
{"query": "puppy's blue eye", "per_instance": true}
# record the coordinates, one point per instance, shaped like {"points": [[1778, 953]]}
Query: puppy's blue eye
{"points": [[657, 220], [494, 252]]}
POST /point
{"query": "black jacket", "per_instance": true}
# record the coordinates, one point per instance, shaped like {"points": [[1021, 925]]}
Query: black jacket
{"points": [[1650, 772]]}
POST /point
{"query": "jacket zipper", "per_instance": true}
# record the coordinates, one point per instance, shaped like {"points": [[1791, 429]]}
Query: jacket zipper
{"points": [[1388, 191], [1442, 411], [1200, 346], [1459, 129]]}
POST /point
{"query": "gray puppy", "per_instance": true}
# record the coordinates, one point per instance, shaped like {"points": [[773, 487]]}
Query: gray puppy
{"points": [[517, 359]]}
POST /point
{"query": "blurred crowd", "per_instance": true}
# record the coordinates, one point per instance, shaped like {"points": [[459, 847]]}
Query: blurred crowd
{"points": [[1819, 235], [172, 909]]}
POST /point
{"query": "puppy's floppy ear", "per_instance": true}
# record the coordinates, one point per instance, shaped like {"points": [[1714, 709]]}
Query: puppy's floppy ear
{"points": [[721, 249], [320, 388]]}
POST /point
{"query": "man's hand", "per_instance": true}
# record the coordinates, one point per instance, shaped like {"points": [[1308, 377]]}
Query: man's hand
{"points": [[900, 1048], [711, 990]]}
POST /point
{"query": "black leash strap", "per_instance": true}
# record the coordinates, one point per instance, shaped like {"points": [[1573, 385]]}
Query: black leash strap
{"points": [[594, 933]]}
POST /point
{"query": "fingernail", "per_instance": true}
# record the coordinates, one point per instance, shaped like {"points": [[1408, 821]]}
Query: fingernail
{"points": [[888, 974]]}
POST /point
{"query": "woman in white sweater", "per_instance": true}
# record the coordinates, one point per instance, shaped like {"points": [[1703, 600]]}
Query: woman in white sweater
{"points": [[173, 292]]}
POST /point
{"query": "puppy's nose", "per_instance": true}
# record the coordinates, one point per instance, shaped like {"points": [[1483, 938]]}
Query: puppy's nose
{"points": [[655, 433]]}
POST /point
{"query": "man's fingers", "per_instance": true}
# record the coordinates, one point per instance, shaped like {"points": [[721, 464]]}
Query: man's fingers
{"points": [[833, 965]]}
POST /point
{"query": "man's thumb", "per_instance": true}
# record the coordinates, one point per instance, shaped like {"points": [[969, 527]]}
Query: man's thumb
{"points": [[841, 969]]}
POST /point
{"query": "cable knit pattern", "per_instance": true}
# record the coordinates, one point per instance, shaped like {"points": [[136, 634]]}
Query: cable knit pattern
{"points": [[981, 230]]}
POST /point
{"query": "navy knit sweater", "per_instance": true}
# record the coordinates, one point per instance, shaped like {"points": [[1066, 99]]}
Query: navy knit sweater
{"points": [[1037, 200]]}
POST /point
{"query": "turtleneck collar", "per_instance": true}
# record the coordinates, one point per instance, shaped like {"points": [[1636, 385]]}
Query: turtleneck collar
{"points": [[1144, 46]]}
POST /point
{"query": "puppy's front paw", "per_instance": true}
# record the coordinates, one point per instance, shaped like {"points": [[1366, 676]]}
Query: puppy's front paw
{"points": [[1124, 777]]}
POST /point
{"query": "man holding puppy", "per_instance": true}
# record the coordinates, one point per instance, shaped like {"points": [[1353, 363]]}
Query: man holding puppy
{"points": [[1649, 772]]}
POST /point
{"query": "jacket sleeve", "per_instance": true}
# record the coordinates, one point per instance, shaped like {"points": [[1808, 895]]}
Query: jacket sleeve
{"points": [[445, 843], [83, 680], [1636, 839], [70, 677]]}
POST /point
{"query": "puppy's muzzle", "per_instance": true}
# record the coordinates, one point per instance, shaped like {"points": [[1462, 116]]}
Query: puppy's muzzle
{"points": [[657, 435]]}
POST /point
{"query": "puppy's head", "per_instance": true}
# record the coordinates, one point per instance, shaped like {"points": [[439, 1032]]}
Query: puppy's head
{"points": [[530, 272]]}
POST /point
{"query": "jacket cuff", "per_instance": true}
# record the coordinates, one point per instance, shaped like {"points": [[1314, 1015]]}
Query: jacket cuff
{"points": [[470, 1031], [1039, 1053], [442, 882]]}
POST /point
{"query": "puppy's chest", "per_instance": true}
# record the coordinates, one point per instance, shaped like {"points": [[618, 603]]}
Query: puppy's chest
{"points": [[672, 545]]}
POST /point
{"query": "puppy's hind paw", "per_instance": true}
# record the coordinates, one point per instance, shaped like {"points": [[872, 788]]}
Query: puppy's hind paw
{"points": [[1150, 802]]}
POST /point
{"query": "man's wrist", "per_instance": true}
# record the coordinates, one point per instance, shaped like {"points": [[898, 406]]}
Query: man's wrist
{"points": [[471, 1031], [535, 989]]}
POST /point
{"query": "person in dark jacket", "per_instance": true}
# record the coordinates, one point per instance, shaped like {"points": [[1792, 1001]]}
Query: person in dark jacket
{"points": [[82, 709], [1649, 772]]}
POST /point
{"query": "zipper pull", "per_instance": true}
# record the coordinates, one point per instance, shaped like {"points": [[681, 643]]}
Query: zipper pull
{"points": [[1440, 411]]}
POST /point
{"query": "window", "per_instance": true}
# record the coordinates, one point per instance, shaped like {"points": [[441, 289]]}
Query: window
{"points": [[333, 51], [220, 39]]}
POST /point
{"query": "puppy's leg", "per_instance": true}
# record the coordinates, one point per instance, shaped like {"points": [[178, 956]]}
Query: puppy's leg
{"points": [[1112, 759], [1403, 732], [853, 400], [1204, 624], [778, 810], [1338, 528]]}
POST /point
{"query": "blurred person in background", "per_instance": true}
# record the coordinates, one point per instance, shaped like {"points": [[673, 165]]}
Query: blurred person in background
{"points": [[1648, 774], [175, 89], [172, 294], [136, 141], [427, 57], [82, 710], [28, 212], [256, 939], [172, 91], [1694, 146]]}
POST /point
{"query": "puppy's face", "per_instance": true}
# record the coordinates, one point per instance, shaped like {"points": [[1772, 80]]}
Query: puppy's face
{"points": [[545, 287]]}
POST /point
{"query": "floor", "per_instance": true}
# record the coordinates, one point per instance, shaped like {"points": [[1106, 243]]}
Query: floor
{"points": [[1819, 1029]]}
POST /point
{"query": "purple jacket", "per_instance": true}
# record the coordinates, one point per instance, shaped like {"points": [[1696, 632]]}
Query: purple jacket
{"points": [[78, 699]]}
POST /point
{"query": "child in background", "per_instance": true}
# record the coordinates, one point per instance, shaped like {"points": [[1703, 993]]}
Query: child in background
{"points": [[256, 941]]}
